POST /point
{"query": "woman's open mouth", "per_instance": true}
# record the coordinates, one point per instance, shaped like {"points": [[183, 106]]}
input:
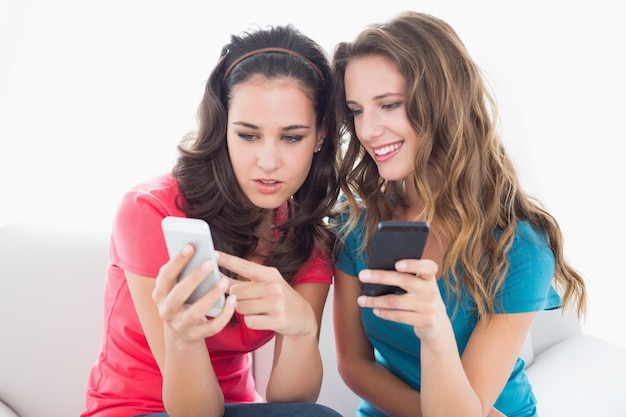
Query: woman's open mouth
{"points": [[386, 152], [267, 186]]}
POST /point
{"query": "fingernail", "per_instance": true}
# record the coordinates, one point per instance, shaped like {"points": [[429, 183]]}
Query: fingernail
{"points": [[222, 284], [365, 274], [361, 300], [187, 250], [206, 266]]}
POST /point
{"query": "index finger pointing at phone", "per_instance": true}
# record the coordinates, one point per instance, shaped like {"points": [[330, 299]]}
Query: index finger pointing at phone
{"points": [[247, 269]]}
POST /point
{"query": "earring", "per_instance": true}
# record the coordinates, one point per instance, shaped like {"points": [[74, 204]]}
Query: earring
{"points": [[319, 148]]}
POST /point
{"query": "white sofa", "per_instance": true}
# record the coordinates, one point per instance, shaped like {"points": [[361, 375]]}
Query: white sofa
{"points": [[51, 323]]}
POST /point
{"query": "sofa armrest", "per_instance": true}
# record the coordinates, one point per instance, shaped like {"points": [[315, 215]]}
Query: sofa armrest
{"points": [[580, 376], [51, 326]]}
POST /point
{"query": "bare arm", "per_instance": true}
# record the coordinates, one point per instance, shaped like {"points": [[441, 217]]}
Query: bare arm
{"points": [[268, 302], [297, 359], [355, 356], [176, 334], [477, 379]]}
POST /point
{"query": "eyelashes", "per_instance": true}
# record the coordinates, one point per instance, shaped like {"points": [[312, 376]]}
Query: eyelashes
{"points": [[249, 137], [385, 106]]}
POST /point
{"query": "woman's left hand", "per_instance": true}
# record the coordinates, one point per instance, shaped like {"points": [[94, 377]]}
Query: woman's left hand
{"points": [[421, 306], [266, 300]]}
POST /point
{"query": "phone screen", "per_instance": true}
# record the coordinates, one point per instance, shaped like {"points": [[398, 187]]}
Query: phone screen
{"points": [[395, 240]]}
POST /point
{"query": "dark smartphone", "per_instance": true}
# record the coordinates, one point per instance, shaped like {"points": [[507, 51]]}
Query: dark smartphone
{"points": [[395, 240]]}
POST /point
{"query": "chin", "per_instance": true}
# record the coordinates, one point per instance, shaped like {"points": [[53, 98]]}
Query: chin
{"points": [[268, 203], [392, 177], [394, 174]]}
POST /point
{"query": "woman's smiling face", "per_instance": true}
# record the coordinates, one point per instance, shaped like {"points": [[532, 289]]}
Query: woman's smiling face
{"points": [[272, 137], [375, 94]]}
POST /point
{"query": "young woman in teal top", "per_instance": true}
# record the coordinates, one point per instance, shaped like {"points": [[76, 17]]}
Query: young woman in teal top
{"points": [[423, 146]]}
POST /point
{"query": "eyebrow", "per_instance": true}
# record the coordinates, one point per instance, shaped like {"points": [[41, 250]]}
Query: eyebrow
{"points": [[379, 97], [285, 129]]}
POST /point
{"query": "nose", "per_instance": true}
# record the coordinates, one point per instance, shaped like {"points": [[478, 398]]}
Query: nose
{"points": [[368, 127], [268, 158]]}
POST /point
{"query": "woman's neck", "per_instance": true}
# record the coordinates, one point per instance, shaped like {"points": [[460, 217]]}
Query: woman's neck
{"points": [[415, 203]]}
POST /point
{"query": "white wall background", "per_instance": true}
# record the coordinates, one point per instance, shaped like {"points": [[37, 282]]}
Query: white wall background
{"points": [[94, 96]]}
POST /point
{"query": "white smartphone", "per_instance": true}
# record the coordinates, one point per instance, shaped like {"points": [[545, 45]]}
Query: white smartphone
{"points": [[182, 231]]}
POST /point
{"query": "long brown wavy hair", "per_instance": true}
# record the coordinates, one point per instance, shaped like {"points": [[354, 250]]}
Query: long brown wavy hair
{"points": [[209, 189], [478, 191]]}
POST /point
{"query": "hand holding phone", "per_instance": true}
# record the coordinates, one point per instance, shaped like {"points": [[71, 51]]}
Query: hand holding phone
{"points": [[182, 231], [394, 240]]}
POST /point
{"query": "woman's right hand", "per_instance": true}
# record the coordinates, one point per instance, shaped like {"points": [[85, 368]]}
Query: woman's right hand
{"points": [[420, 307], [188, 322]]}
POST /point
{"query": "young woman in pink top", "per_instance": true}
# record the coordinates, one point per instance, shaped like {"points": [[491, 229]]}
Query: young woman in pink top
{"points": [[261, 170]]}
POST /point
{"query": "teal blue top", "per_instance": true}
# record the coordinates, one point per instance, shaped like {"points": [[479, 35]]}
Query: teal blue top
{"points": [[527, 287]]}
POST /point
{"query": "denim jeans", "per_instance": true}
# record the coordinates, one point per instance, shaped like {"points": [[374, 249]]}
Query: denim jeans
{"points": [[271, 410]]}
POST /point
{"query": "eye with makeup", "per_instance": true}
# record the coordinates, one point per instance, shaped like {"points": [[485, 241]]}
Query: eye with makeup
{"points": [[385, 106], [391, 106], [248, 137], [293, 138], [354, 112]]}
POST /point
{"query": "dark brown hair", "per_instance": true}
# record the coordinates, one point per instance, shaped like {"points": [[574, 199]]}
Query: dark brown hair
{"points": [[208, 186]]}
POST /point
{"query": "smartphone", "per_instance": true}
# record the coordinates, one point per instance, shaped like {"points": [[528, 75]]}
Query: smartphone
{"points": [[394, 240], [182, 231]]}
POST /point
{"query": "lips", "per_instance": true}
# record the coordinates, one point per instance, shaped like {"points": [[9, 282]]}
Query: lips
{"points": [[386, 152], [267, 186]]}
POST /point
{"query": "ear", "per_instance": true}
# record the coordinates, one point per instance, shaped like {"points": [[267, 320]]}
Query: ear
{"points": [[321, 135], [320, 141]]}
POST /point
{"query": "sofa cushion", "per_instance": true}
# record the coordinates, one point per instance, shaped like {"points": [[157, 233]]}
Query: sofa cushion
{"points": [[580, 376]]}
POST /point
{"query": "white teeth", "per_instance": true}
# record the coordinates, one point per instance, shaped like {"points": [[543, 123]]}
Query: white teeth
{"points": [[386, 149], [268, 182]]}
